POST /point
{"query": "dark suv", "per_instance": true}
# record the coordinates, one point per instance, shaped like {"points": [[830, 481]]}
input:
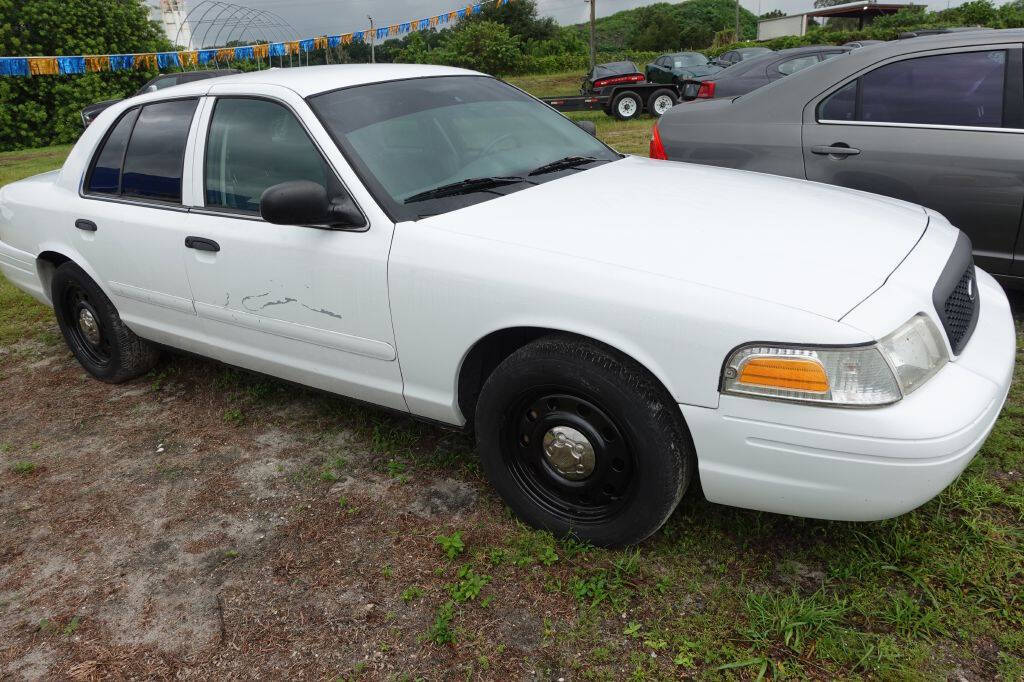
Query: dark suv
{"points": [[162, 81]]}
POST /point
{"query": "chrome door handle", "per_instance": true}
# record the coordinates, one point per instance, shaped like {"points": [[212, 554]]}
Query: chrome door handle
{"points": [[834, 150]]}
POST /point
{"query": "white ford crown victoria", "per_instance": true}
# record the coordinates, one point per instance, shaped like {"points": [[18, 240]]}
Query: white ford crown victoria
{"points": [[434, 241]]}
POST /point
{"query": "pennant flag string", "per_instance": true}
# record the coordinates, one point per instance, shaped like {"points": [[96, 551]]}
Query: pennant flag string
{"points": [[156, 61]]}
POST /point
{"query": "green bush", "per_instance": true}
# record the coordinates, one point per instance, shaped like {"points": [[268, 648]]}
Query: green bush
{"points": [[45, 110]]}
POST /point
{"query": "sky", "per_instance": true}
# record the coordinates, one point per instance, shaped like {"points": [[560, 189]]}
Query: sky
{"points": [[320, 17]]}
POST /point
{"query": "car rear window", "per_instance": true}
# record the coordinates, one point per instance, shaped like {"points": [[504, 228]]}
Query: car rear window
{"points": [[105, 176], [155, 158]]}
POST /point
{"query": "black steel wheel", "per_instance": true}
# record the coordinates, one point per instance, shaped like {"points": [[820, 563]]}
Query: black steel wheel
{"points": [[93, 330], [82, 320], [568, 455], [568, 434]]}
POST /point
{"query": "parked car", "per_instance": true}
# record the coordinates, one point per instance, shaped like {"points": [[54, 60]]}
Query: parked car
{"points": [[854, 44], [604, 76], [754, 72], [727, 59], [673, 68], [935, 120], [162, 81], [426, 239]]}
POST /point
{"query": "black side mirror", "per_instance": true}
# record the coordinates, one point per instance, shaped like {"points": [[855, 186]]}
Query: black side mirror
{"points": [[588, 126], [303, 202]]}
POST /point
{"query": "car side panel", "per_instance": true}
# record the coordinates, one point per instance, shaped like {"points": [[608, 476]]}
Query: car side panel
{"points": [[449, 289], [747, 145]]}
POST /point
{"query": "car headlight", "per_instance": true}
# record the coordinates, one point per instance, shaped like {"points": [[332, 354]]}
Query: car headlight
{"points": [[856, 376]]}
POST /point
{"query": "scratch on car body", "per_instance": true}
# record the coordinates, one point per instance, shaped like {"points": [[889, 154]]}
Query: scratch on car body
{"points": [[280, 302], [227, 299], [322, 311], [251, 297]]}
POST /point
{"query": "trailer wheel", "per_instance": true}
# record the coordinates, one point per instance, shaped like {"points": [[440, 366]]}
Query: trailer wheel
{"points": [[627, 105], [661, 101]]}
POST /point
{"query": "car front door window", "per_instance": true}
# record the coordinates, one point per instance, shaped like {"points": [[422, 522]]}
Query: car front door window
{"points": [[255, 144]]}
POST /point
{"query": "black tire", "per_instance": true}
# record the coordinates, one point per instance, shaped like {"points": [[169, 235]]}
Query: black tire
{"points": [[93, 330], [643, 457], [653, 104], [623, 110]]}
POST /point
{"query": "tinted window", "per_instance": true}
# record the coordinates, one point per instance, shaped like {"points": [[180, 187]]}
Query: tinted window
{"points": [[965, 89], [156, 153], [165, 82], [255, 144], [796, 64], [105, 177], [841, 105]]}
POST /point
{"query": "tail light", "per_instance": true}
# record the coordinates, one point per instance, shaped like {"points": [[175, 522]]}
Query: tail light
{"points": [[632, 78], [657, 148], [706, 90]]}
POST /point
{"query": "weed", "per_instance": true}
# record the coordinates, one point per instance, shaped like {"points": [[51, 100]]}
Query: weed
{"points": [[411, 593], [440, 631], [23, 467], [234, 416], [792, 618], [387, 571], [452, 545], [468, 586]]}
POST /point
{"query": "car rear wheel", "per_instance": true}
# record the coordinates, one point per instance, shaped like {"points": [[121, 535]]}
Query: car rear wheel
{"points": [[627, 106], [582, 441], [93, 330], [661, 101]]}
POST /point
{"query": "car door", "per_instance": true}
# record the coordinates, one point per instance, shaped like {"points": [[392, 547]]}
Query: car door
{"points": [[940, 129], [304, 303], [131, 219], [656, 71]]}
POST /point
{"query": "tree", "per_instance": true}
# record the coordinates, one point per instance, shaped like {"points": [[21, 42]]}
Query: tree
{"points": [[520, 17], [484, 46], [774, 14], [691, 25], [45, 110]]}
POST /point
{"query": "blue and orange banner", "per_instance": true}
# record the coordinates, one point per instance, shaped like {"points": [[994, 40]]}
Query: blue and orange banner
{"points": [[150, 61]]}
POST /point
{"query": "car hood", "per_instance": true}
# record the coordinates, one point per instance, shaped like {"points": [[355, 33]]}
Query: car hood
{"points": [[805, 245]]}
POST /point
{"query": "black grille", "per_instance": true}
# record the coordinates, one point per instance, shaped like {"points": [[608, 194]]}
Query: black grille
{"points": [[956, 296], [960, 308]]}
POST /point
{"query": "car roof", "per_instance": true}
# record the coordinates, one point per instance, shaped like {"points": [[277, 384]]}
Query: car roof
{"points": [[312, 80], [762, 60]]}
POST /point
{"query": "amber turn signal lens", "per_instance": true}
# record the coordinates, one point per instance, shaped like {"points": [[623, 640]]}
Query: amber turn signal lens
{"points": [[790, 373]]}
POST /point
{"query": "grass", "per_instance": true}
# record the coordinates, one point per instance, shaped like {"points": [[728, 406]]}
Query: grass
{"points": [[28, 162], [719, 593]]}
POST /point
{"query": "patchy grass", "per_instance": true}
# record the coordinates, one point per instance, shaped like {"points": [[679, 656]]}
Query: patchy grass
{"points": [[549, 84]]}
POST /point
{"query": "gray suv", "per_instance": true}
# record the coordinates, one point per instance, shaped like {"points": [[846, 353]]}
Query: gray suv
{"points": [[937, 120]]}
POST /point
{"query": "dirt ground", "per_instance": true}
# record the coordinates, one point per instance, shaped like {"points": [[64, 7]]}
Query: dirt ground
{"points": [[182, 526]]}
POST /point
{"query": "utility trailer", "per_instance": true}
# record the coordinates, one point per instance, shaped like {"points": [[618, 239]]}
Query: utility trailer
{"points": [[625, 102]]}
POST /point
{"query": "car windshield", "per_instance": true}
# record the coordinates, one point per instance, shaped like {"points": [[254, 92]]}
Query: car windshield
{"points": [[408, 138], [690, 59], [614, 69]]}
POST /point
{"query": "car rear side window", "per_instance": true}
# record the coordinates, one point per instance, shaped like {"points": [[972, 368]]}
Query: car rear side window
{"points": [[797, 64], [254, 144], [155, 159], [105, 176], [962, 89]]}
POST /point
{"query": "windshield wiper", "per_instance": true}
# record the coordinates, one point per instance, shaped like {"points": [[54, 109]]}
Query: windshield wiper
{"points": [[562, 164], [467, 186]]}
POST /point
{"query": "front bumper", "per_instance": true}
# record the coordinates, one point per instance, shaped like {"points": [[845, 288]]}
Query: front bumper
{"points": [[860, 464]]}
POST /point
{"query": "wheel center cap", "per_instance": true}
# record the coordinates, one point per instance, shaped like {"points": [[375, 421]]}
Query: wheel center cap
{"points": [[90, 329], [569, 453]]}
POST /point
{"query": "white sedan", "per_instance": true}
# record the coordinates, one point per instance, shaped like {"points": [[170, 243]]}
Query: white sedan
{"points": [[434, 241]]}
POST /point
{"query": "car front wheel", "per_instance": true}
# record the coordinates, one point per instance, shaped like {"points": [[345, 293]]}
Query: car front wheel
{"points": [[93, 330], [582, 441]]}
